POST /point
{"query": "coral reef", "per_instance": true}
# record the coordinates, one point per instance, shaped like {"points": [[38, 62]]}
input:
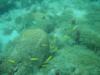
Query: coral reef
{"points": [[49, 37]]}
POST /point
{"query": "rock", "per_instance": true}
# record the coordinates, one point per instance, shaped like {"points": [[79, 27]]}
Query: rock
{"points": [[90, 30], [26, 52], [87, 35], [90, 38]]}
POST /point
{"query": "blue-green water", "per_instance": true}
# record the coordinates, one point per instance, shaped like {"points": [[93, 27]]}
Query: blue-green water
{"points": [[49, 37]]}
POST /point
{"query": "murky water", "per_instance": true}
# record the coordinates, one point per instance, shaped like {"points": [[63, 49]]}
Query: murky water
{"points": [[49, 37]]}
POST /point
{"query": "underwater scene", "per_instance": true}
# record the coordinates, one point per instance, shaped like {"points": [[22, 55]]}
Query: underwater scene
{"points": [[49, 37]]}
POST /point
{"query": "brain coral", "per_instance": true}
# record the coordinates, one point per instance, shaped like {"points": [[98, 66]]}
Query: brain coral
{"points": [[26, 52]]}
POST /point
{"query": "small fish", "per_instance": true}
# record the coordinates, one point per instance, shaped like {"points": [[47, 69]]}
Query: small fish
{"points": [[46, 62], [34, 59], [48, 59], [11, 61], [75, 28]]}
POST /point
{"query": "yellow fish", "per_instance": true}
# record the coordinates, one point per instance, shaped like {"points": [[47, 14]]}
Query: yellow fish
{"points": [[34, 59], [48, 59], [11, 61], [75, 28]]}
